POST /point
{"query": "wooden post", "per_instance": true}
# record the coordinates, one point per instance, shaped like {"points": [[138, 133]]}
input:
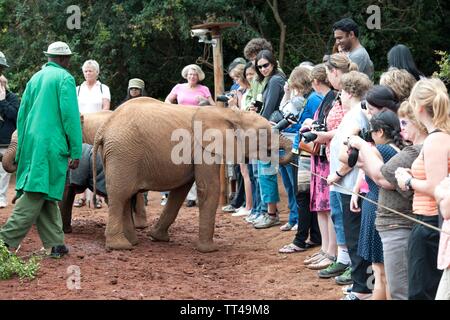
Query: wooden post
{"points": [[215, 29], [218, 90]]}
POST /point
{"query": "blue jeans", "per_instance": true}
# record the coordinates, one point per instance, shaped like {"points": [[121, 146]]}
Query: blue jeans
{"points": [[337, 215], [268, 182], [289, 175], [258, 206]]}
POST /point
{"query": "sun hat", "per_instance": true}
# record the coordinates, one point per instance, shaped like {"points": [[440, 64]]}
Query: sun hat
{"points": [[58, 48], [136, 83], [3, 60], [201, 74]]}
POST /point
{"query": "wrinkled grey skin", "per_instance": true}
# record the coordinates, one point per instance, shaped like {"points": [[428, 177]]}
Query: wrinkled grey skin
{"points": [[138, 157]]}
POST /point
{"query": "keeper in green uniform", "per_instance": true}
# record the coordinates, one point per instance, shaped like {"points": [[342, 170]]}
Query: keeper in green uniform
{"points": [[49, 139]]}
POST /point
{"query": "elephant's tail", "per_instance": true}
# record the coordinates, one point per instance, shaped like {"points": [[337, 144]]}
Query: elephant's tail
{"points": [[98, 142]]}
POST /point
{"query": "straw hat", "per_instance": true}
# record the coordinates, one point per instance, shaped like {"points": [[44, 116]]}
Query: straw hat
{"points": [[136, 83], [58, 48], [201, 74]]}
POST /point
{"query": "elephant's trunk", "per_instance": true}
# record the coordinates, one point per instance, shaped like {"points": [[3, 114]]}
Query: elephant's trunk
{"points": [[9, 157], [286, 145]]}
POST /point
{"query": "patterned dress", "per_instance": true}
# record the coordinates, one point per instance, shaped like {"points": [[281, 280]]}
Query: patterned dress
{"points": [[370, 246], [320, 191]]}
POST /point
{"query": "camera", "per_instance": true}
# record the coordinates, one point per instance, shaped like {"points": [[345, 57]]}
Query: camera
{"points": [[292, 112], [225, 97], [201, 33], [309, 136], [353, 153]]}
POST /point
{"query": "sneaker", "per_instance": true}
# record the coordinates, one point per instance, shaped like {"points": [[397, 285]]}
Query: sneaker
{"points": [[259, 218], [229, 208], [252, 217], [295, 227], [59, 251], [267, 222], [191, 203], [345, 278], [335, 269], [286, 227], [242, 212], [163, 201]]}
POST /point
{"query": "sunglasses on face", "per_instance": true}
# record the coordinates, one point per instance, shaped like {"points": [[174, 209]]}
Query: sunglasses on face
{"points": [[265, 65]]}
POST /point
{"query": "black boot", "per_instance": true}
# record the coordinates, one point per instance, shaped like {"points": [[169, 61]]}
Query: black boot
{"points": [[59, 251]]}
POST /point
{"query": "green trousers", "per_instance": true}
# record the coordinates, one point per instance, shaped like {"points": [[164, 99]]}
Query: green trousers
{"points": [[31, 208]]}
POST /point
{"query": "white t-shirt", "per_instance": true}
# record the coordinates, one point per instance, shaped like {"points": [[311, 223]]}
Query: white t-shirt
{"points": [[355, 118], [91, 100]]}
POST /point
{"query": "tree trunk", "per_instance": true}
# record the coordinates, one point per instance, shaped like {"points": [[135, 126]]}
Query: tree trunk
{"points": [[274, 6]]}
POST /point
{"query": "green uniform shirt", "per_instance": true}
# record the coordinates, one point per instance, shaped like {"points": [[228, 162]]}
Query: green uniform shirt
{"points": [[49, 132]]}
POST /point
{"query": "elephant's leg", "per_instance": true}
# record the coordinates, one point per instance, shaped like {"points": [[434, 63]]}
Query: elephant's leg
{"points": [[128, 225], [139, 212], [176, 198], [65, 207], [207, 178], [114, 233]]}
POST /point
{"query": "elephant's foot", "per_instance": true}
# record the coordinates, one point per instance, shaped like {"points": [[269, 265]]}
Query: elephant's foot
{"points": [[140, 221], [206, 247], [132, 237], [159, 235], [118, 242]]}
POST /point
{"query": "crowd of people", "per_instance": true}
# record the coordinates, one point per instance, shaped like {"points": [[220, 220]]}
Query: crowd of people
{"points": [[373, 179], [368, 183]]}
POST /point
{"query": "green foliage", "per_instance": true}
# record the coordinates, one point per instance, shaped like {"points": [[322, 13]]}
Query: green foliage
{"points": [[151, 39], [11, 265], [444, 67]]}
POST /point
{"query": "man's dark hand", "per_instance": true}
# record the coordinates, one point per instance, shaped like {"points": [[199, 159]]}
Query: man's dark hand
{"points": [[74, 163]]}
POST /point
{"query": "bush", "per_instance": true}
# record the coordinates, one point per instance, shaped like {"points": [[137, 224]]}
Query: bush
{"points": [[11, 264], [444, 67]]}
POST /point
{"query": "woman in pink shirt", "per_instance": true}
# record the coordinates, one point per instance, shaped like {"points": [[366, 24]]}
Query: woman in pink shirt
{"points": [[191, 93]]}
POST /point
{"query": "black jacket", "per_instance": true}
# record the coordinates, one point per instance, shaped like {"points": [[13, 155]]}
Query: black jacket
{"points": [[8, 112]]}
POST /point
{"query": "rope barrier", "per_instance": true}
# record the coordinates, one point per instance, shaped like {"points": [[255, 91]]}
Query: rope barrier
{"points": [[376, 203]]}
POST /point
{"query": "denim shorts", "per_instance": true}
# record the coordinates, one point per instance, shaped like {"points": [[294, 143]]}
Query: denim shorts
{"points": [[337, 215]]}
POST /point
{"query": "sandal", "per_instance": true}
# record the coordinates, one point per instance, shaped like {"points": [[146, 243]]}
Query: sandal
{"points": [[291, 248], [79, 203]]}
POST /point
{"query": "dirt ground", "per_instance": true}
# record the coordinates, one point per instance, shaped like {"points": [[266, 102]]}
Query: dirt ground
{"points": [[247, 265]]}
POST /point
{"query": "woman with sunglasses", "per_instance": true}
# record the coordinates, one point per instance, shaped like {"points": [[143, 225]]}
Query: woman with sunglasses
{"points": [[385, 132], [267, 70], [430, 101]]}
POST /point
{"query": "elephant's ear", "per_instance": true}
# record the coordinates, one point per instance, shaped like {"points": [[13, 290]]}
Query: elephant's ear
{"points": [[215, 131]]}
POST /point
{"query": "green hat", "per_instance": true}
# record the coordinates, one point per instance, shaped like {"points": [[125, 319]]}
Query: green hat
{"points": [[3, 60], [136, 83]]}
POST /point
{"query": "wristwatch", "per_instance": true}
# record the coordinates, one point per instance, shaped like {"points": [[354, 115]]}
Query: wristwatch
{"points": [[408, 184]]}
